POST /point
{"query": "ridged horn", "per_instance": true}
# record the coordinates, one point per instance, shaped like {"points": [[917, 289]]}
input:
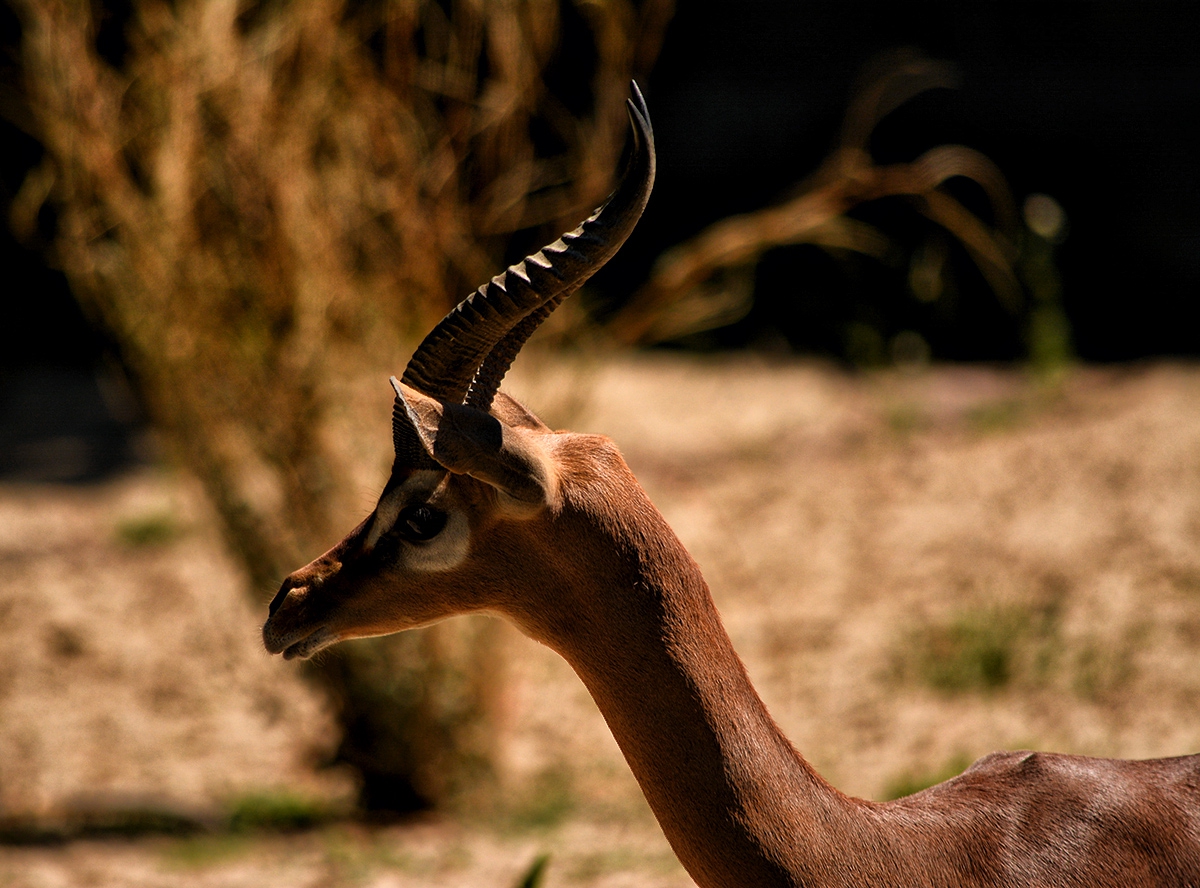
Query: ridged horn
{"points": [[491, 372], [493, 319], [500, 358]]}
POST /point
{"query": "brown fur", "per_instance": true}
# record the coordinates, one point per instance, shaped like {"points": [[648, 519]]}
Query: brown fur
{"points": [[592, 570]]}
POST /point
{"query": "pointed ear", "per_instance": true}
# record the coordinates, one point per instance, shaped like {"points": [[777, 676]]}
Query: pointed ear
{"points": [[468, 441], [514, 413], [411, 449]]}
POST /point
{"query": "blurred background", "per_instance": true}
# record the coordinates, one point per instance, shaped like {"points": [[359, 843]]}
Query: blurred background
{"points": [[910, 298]]}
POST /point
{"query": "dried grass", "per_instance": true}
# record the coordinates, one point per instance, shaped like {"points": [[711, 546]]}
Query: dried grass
{"points": [[259, 200], [681, 297]]}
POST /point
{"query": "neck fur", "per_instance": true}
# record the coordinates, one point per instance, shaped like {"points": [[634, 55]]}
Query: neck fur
{"points": [[732, 795]]}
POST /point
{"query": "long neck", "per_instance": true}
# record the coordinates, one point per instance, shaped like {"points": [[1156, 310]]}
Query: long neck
{"points": [[736, 801]]}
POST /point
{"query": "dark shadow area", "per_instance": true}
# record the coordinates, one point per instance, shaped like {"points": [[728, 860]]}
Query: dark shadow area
{"points": [[64, 425], [1097, 105], [65, 417]]}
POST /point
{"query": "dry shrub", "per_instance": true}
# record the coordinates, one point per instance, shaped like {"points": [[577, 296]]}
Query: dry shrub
{"points": [[703, 283], [259, 200]]}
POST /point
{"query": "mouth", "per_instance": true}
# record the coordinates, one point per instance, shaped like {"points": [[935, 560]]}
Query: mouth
{"points": [[303, 647]]}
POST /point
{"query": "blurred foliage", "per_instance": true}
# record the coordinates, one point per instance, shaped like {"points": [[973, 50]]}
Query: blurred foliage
{"points": [[992, 647], [858, 210], [154, 529], [546, 801], [260, 201], [282, 811], [536, 874], [999, 416], [982, 649], [1048, 332]]}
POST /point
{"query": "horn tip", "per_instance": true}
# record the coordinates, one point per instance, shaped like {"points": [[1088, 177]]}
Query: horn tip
{"points": [[639, 114]]}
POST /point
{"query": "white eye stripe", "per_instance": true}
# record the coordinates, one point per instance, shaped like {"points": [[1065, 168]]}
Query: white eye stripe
{"points": [[386, 514], [446, 550]]}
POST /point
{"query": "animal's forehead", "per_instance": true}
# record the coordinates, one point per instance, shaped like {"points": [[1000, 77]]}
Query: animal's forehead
{"points": [[410, 484], [413, 481]]}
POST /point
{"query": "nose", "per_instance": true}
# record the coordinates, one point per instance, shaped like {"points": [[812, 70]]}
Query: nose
{"points": [[307, 579], [288, 585]]}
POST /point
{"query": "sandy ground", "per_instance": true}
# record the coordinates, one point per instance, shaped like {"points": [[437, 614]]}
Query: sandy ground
{"points": [[916, 569]]}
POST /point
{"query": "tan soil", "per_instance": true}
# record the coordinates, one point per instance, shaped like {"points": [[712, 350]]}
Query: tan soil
{"points": [[840, 521]]}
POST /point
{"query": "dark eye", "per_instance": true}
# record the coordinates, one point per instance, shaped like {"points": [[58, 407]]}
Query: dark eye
{"points": [[420, 523]]}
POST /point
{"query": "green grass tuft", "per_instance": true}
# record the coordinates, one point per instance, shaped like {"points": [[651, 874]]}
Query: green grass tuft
{"points": [[155, 529], [549, 800], [998, 416], [982, 650], [282, 811], [202, 851], [535, 876]]}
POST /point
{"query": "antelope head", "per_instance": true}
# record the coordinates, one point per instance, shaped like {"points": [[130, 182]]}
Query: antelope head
{"points": [[477, 478]]}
